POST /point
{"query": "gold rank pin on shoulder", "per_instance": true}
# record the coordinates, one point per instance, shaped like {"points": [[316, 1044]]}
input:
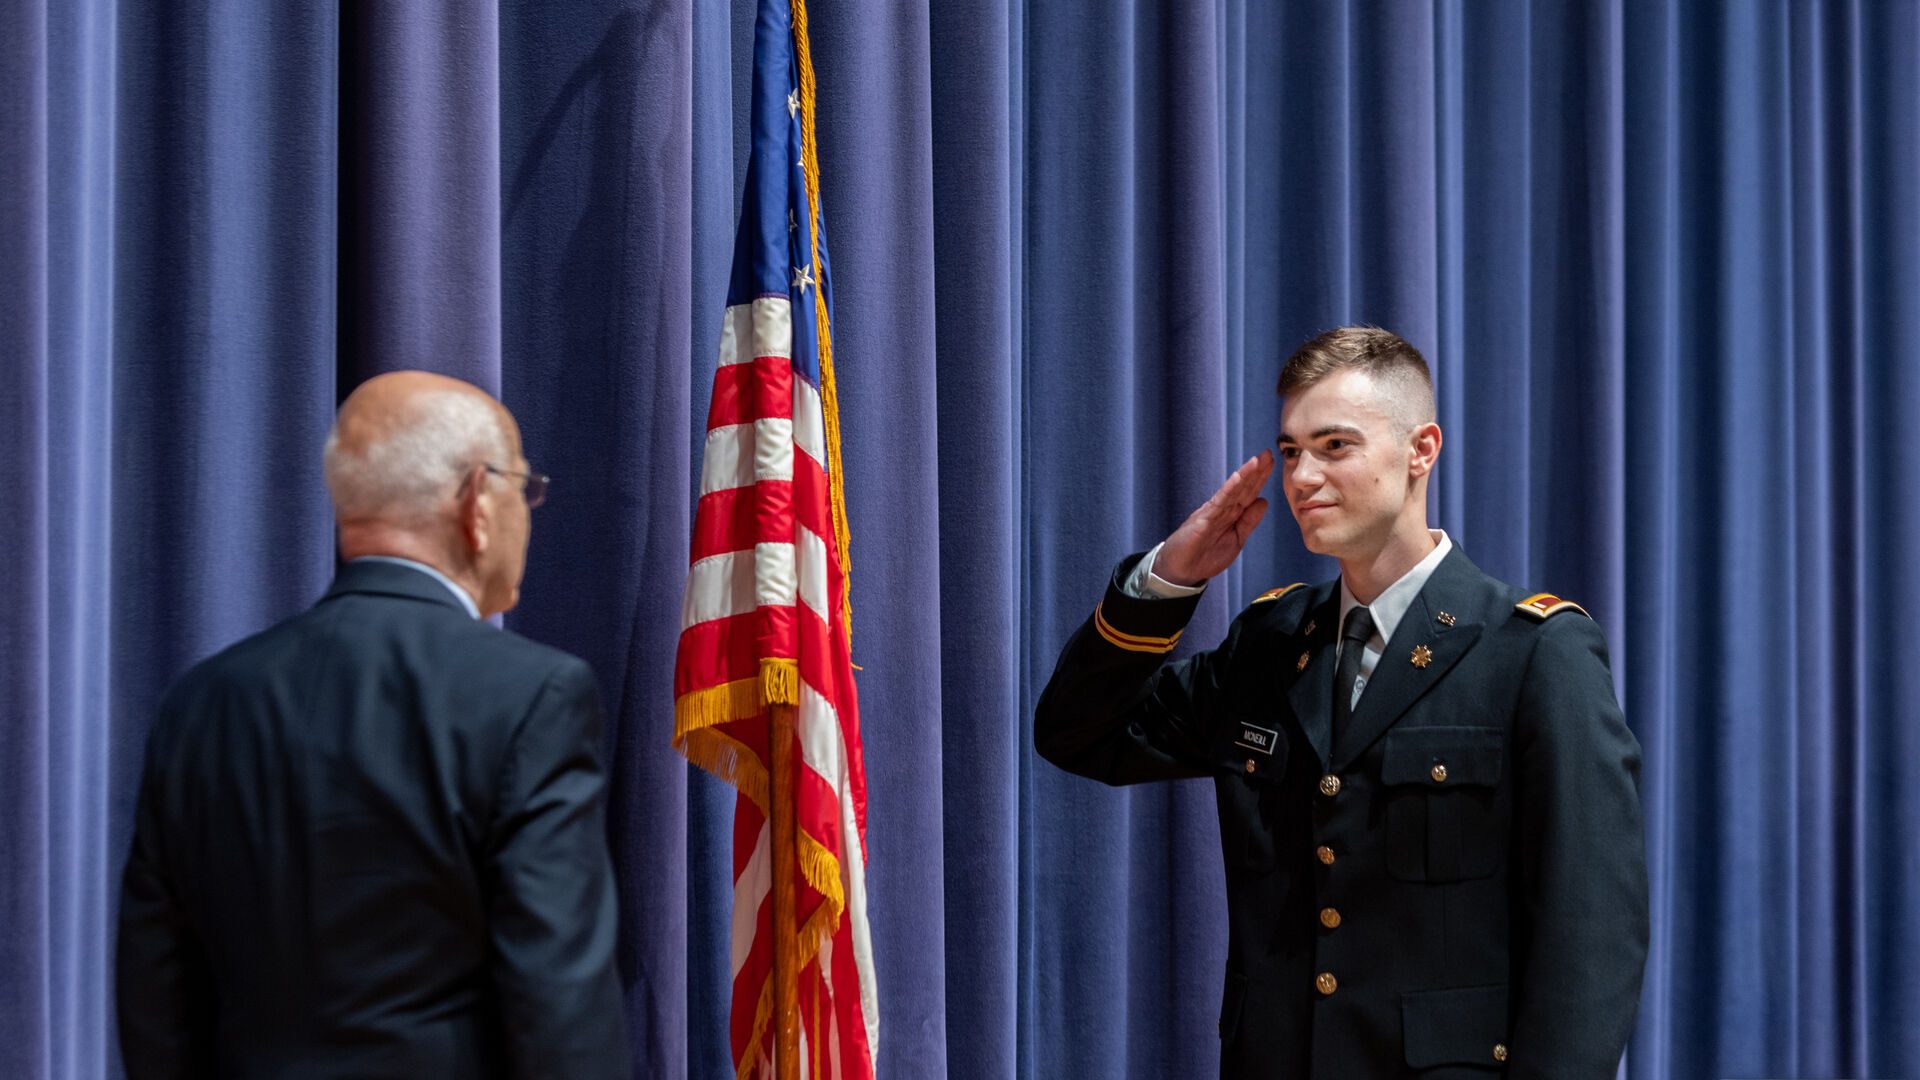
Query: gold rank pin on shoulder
{"points": [[1275, 594], [1542, 606]]}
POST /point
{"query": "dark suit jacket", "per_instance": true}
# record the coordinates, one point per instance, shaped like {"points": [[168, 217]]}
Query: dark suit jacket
{"points": [[371, 843], [1456, 888]]}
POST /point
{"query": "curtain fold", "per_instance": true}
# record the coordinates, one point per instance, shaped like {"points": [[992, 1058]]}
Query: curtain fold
{"points": [[977, 391], [56, 75], [601, 316], [1665, 260], [421, 122]]}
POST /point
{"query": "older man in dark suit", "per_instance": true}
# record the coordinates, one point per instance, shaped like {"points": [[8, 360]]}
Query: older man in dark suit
{"points": [[1427, 793], [370, 840]]}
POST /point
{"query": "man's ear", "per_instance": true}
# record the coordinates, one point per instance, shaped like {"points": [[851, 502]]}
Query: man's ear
{"points": [[475, 510], [1425, 449]]}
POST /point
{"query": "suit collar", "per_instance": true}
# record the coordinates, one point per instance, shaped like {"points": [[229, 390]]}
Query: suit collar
{"points": [[1423, 648], [375, 577]]}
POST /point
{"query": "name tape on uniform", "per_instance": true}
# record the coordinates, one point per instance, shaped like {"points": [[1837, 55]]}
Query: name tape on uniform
{"points": [[1257, 738]]}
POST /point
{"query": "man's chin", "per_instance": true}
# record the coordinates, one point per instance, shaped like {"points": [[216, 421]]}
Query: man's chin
{"points": [[1316, 541]]}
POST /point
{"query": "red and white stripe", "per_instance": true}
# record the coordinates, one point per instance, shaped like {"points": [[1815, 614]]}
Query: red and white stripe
{"points": [[766, 583]]}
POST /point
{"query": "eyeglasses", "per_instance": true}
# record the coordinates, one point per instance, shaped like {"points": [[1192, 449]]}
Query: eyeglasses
{"points": [[535, 486]]}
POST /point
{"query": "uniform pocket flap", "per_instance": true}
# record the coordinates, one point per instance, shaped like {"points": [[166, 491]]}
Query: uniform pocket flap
{"points": [[1441, 757], [1467, 1026]]}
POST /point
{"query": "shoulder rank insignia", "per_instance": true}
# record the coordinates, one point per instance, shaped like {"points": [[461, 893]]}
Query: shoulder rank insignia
{"points": [[1540, 606], [1275, 594]]}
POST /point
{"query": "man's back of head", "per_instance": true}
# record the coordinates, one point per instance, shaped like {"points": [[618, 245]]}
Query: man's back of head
{"points": [[428, 468]]}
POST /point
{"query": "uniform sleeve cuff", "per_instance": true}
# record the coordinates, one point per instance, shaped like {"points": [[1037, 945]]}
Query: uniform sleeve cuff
{"points": [[1140, 624], [1147, 585]]}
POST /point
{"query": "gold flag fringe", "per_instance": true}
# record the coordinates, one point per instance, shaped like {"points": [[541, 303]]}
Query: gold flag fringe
{"points": [[821, 926], [822, 871], [780, 681], [699, 714], [829, 394], [723, 704], [729, 759]]}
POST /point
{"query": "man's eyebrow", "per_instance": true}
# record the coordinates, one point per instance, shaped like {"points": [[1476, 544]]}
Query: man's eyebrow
{"points": [[1331, 429]]}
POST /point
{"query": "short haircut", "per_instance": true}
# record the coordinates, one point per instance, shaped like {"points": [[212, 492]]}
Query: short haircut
{"points": [[407, 476], [1396, 366]]}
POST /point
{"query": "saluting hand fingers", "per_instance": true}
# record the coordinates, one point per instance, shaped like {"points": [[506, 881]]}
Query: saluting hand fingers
{"points": [[1243, 487]]}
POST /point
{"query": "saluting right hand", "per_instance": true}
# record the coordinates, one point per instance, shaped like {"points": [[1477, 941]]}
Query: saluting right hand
{"points": [[1212, 536]]}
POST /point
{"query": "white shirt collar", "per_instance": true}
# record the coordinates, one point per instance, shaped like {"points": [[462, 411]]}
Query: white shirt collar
{"points": [[460, 594], [1391, 605]]}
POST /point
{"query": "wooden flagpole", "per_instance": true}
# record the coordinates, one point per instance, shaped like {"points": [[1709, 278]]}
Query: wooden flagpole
{"points": [[786, 867]]}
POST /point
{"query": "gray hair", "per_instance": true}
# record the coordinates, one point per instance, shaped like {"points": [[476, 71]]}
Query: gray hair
{"points": [[408, 475]]}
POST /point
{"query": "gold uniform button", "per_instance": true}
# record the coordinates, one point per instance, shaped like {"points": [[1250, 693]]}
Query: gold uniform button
{"points": [[1330, 918], [1439, 774], [1329, 785], [1249, 764], [1324, 854], [1499, 1051], [1326, 983]]}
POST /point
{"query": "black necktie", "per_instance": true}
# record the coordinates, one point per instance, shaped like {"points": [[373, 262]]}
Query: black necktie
{"points": [[1354, 633]]}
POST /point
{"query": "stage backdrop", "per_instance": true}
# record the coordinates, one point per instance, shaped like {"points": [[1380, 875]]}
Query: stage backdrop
{"points": [[1666, 264]]}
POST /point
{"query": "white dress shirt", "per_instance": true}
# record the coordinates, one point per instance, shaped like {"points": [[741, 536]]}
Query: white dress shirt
{"points": [[1144, 584], [460, 594], [1387, 609]]}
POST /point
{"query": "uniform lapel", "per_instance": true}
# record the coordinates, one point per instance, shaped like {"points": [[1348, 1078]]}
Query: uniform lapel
{"points": [[1311, 692], [1422, 650]]}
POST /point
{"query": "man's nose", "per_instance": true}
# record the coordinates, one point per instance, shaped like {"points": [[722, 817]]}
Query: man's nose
{"points": [[1305, 472]]}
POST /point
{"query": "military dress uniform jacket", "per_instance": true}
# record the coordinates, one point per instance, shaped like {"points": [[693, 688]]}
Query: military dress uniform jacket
{"points": [[1456, 888]]}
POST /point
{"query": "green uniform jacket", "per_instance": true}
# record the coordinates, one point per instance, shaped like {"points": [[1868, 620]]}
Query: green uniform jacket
{"points": [[1456, 889]]}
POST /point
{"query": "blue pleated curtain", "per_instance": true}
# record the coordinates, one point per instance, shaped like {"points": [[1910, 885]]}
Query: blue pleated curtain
{"points": [[1665, 260]]}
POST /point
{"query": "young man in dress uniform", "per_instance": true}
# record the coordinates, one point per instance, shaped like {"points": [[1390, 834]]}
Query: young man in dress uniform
{"points": [[1428, 796]]}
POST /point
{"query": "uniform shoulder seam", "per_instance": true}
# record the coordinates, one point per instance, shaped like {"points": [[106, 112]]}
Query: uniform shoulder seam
{"points": [[1276, 594]]}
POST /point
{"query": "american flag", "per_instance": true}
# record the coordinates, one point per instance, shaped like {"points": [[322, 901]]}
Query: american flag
{"points": [[766, 621]]}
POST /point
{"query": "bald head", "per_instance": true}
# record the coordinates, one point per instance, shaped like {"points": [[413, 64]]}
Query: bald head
{"points": [[428, 468], [403, 441]]}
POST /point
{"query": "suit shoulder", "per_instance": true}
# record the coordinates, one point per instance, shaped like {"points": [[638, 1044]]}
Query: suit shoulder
{"points": [[1274, 596], [1556, 632], [555, 662], [484, 645], [1524, 613], [1280, 610], [238, 663]]}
